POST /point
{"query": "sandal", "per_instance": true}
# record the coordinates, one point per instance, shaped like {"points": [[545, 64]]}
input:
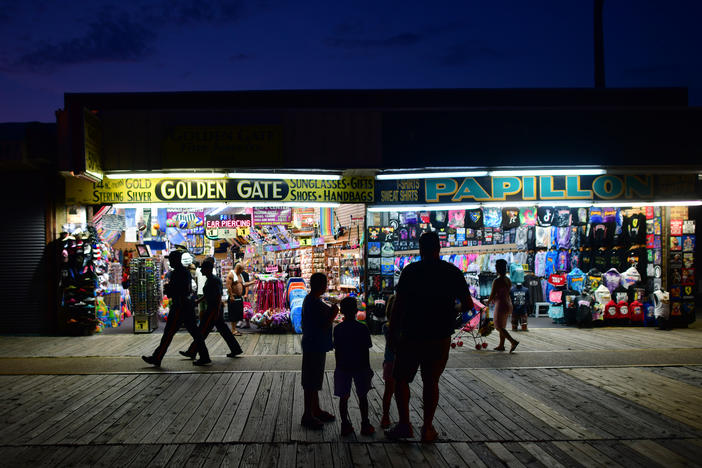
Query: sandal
{"points": [[236, 333], [513, 347], [499, 348], [429, 434]]}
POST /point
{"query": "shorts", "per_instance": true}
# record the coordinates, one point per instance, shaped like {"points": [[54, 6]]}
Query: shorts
{"points": [[361, 378], [388, 367], [235, 307], [429, 355], [313, 370]]}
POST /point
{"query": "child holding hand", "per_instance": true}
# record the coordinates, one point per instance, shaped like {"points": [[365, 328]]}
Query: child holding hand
{"points": [[351, 343]]}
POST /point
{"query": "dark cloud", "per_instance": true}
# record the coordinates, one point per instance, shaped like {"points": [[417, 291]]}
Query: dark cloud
{"points": [[398, 40], [185, 12], [107, 40], [458, 55], [240, 57], [7, 10]]}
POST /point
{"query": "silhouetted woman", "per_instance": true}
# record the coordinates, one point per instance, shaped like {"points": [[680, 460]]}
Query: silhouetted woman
{"points": [[503, 305]]}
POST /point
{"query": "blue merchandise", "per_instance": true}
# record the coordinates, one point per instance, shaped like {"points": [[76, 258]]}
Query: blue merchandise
{"points": [[516, 273], [551, 262]]}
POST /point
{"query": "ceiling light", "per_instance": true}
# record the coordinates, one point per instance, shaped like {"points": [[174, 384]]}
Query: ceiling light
{"points": [[548, 172], [430, 175], [455, 206], [276, 175], [166, 175]]}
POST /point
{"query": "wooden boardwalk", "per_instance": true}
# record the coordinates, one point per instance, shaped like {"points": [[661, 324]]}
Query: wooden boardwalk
{"points": [[487, 417], [538, 339]]}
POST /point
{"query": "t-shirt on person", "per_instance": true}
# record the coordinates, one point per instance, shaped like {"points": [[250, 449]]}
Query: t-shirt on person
{"points": [[316, 330], [351, 342], [212, 291], [428, 290]]}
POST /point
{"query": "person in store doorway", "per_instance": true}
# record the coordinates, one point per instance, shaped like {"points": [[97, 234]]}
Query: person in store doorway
{"points": [[499, 295], [317, 320], [422, 324], [213, 317], [236, 288], [247, 282], [181, 312]]}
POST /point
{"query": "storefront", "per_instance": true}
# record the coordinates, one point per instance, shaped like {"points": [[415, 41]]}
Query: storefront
{"points": [[282, 230], [574, 237]]}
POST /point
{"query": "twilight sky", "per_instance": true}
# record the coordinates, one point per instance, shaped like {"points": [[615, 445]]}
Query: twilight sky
{"points": [[52, 47]]}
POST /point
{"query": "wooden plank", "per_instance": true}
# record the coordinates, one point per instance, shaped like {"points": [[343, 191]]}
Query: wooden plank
{"points": [[236, 428], [270, 454], [215, 456], [305, 455], [622, 454], [341, 455], [197, 429], [323, 456], [414, 454], [541, 455], [658, 453], [254, 431], [504, 455], [585, 454], [283, 427], [233, 455], [143, 454], [287, 456], [359, 456], [198, 456], [682, 374], [396, 455], [82, 455], [116, 455], [485, 454], [450, 456], [179, 457], [378, 455], [223, 411]]}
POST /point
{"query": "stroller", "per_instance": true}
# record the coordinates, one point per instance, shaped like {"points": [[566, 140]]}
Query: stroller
{"points": [[477, 324]]}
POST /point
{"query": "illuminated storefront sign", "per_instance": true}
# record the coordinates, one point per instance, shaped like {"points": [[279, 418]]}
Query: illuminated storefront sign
{"points": [[518, 188], [345, 190]]}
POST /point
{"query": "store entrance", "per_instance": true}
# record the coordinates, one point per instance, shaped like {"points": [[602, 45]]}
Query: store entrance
{"points": [[276, 249]]}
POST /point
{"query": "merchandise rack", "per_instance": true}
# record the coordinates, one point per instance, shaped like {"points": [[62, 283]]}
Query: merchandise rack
{"points": [[146, 292]]}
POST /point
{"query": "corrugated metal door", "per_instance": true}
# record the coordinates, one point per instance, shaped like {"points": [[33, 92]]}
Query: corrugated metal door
{"points": [[23, 273]]}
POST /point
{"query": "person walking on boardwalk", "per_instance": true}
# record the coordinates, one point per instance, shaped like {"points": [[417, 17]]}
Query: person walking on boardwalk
{"points": [[181, 312], [213, 317], [423, 321], [503, 305], [317, 319]]}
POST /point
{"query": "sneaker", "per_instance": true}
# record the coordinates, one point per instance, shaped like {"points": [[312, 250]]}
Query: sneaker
{"points": [[202, 362], [400, 431], [367, 429], [233, 355], [187, 354], [325, 416], [312, 423], [151, 360], [346, 429]]}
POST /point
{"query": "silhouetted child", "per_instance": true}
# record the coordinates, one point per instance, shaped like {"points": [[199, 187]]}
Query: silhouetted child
{"points": [[351, 343], [388, 366]]}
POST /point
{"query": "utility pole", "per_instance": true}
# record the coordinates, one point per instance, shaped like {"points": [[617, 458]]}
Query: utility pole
{"points": [[599, 46]]}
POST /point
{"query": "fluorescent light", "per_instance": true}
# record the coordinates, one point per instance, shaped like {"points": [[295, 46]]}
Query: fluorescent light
{"points": [[430, 175], [678, 203], [649, 203], [572, 204], [165, 175], [547, 172], [453, 206], [97, 175], [277, 175]]}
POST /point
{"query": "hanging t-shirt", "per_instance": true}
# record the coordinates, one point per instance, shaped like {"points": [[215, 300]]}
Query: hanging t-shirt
{"points": [[530, 260], [578, 216], [521, 237], [661, 302], [562, 262], [563, 237], [474, 219], [612, 279], [611, 311], [585, 313], [586, 259], [609, 215], [619, 294], [562, 215], [602, 234], [639, 257], [557, 280], [595, 215], [457, 218], [543, 236], [599, 259], [594, 280], [540, 263], [615, 257], [527, 216], [533, 285], [574, 259], [602, 294], [439, 219], [576, 280], [519, 295], [545, 215], [630, 277], [634, 229], [636, 312], [623, 310], [510, 218], [493, 217], [551, 261]]}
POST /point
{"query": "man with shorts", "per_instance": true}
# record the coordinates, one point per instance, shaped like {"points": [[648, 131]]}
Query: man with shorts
{"points": [[317, 320], [422, 323]]}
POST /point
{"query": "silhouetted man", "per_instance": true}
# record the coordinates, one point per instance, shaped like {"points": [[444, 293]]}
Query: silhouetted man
{"points": [[212, 294], [181, 312], [422, 323]]}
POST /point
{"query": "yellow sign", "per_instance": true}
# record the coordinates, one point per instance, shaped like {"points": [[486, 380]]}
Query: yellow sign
{"points": [[92, 144], [224, 145], [141, 324], [110, 191]]}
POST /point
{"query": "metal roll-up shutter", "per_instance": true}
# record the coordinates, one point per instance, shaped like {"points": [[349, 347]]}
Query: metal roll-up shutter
{"points": [[23, 273]]}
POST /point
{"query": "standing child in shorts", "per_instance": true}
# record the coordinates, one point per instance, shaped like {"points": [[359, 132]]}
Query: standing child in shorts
{"points": [[351, 343], [388, 366]]}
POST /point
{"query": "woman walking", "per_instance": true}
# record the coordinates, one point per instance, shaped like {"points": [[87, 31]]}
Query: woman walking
{"points": [[503, 305]]}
